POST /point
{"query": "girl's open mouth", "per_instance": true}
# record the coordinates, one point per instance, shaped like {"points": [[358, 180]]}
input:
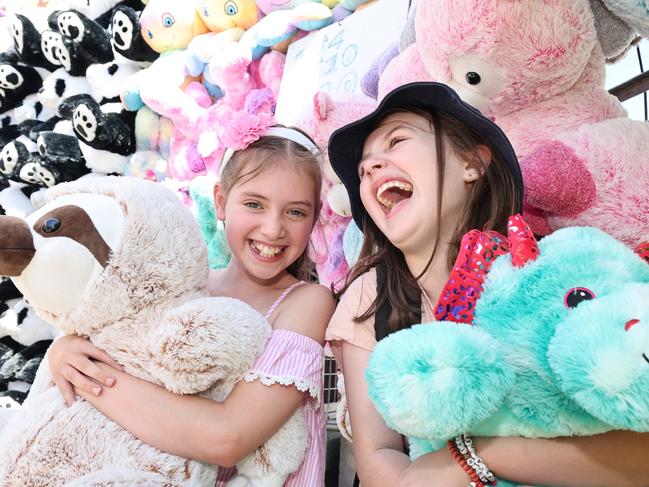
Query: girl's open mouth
{"points": [[391, 193], [265, 251]]}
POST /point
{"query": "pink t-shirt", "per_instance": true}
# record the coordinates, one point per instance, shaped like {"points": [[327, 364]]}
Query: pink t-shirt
{"points": [[293, 359]]}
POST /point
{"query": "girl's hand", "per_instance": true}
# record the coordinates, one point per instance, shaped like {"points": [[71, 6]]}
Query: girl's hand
{"points": [[437, 469], [71, 359]]}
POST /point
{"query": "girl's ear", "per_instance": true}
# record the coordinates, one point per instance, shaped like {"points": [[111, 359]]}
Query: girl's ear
{"points": [[219, 201], [476, 163]]}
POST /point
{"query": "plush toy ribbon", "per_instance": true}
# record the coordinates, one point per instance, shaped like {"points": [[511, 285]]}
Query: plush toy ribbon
{"points": [[477, 252]]}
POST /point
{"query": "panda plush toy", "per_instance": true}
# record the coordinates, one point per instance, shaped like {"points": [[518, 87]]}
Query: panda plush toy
{"points": [[127, 39], [107, 140]]}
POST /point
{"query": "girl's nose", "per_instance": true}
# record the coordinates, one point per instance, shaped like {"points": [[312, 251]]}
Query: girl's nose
{"points": [[372, 164], [272, 227]]}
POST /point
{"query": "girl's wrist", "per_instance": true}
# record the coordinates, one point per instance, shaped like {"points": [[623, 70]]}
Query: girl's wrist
{"points": [[465, 453]]}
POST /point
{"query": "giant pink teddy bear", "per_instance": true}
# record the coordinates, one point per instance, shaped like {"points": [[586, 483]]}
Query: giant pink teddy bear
{"points": [[537, 69]]}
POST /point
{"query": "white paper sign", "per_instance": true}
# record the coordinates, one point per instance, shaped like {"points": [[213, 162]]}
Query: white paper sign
{"points": [[336, 58]]}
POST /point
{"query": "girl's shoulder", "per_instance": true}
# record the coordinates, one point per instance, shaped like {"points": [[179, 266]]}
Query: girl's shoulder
{"points": [[357, 299], [361, 293], [306, 310]]}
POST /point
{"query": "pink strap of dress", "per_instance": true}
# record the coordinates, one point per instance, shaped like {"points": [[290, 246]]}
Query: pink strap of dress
{"points": [[279, 300]]}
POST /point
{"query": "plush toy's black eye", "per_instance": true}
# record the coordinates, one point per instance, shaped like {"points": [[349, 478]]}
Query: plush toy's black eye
{"points": [[51, 225], [577, 295], [473, 78]]}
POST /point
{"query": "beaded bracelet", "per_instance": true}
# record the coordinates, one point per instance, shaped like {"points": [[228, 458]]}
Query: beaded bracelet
{"points": [[459, 458], [464, 446], [481, 468]]}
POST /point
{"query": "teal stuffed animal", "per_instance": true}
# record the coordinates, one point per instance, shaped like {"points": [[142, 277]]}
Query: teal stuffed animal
{"points": [[213, 230], [559, 346]]}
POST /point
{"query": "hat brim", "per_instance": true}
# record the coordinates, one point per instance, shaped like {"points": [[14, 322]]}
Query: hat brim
{"points": [[346, 143]]}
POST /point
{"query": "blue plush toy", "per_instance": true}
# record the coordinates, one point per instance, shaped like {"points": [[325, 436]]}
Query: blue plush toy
{"points": [[559, 346]]}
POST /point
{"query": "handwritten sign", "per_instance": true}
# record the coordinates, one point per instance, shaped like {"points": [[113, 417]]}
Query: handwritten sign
{"points": [[336, 58]]}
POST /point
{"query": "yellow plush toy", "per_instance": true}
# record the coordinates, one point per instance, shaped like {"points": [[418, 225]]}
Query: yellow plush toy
{"points": [[226, 20], [168, 24]]}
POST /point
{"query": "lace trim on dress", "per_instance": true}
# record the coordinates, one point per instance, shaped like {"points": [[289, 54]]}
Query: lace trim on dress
{"points": [[301, 385]]}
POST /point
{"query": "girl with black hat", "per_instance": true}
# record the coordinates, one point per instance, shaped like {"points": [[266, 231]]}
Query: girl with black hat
{"points": [[421, 171]]}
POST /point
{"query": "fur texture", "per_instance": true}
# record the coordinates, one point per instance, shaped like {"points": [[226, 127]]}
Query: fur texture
{"points": [[537, 69], [559, 348], [148, 308]]}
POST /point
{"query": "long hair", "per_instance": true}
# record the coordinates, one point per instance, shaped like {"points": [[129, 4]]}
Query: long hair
{"points": [[490, 201], [269, 152]]}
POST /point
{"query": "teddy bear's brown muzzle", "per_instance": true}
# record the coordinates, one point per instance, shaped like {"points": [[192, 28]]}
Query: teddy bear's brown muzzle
{"points": [[16, 246]]}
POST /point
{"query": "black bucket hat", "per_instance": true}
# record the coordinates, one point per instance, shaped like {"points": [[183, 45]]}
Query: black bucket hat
{"points": [[346, 143]]}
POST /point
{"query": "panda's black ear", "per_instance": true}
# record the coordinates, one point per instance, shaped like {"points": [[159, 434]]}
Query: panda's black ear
{"points": [[10, 57], [52, 20], [68, 105]]}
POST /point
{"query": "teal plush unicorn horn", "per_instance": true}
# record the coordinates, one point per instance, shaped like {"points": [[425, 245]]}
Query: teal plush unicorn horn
{"points": [[559, 344]]}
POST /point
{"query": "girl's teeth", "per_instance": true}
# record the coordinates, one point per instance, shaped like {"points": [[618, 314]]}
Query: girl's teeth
{"points": [[267, 251], [391, 184]]}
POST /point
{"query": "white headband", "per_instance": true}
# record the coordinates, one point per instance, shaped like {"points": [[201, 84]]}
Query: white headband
{"points": [[283, 132]]}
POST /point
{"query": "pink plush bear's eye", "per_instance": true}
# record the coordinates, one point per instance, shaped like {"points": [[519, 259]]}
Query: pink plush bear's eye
{"points": [[577, 295], [473, 78], [168, 20]]}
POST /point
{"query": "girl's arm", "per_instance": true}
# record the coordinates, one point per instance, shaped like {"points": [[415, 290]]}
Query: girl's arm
{"points": [[201, 429], [616, 458], [378, 450]]}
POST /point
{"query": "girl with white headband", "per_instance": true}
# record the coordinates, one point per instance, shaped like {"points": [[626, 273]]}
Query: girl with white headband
{"points": [[269, 199]]}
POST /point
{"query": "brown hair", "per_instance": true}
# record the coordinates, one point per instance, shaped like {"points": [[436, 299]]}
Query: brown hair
{"points": [[266, 153], [491, 200]]}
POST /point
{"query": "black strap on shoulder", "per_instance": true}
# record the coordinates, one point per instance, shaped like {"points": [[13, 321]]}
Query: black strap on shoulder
{"points": [[381, 317], [382, 314]]}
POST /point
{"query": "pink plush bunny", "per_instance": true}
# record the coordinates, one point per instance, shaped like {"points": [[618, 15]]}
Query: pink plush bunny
{"points": [[328, 113], [537, 68]]}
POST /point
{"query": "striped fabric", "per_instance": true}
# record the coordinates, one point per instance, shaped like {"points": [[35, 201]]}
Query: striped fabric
{"points": [[293, 359]]}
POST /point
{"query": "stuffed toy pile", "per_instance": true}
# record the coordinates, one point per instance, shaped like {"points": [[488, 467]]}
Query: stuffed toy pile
{"points": [[559, 344], [137, 289]]}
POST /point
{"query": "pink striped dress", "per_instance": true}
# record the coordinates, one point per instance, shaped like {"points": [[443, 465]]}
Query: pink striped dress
{"points": [[293, 359]]}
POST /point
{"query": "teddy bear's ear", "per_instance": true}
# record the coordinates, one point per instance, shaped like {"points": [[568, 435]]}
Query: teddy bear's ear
{"points": [[67, 106], [615, 36], [408, 34]]}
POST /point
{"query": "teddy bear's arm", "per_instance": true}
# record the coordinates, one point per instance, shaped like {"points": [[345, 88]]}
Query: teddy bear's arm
{"points": [[436, 381], [557, 180], [204, 341]]}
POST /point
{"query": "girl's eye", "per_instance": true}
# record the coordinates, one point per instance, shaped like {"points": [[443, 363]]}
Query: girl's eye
{"points": [[252, 204], [395, 140], [298, 213]]}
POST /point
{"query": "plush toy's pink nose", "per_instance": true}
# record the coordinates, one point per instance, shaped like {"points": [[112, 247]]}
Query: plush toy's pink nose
{"points": [[630, 323], [16, 246]]}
